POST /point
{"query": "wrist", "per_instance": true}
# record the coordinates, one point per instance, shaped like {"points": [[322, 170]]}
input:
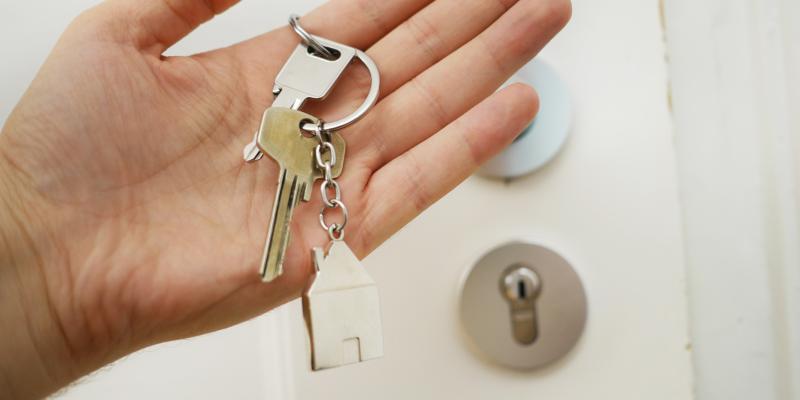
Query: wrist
{"points": [[35, 358]]}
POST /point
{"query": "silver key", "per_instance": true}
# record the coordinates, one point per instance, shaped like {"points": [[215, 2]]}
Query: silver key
{"points": [[342, 310], [281, 138], [305, 76]]}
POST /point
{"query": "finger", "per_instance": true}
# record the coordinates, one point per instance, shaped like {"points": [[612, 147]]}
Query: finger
{"points": [[451, 87], [405, 187], [430, 35], [357, 23], [155, 25], [416, 44]]}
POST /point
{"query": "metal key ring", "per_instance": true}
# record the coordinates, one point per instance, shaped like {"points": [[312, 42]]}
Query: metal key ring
{"points": [[369, 101], [294, 22]]}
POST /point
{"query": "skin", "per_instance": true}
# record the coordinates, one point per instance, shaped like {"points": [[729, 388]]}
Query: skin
{"points": [[127, 216]]}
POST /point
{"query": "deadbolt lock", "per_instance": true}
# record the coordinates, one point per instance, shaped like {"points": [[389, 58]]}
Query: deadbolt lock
{"points": [[522, 306]]}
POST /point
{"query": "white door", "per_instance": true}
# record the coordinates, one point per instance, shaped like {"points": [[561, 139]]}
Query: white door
{"points": [[608, 203]]}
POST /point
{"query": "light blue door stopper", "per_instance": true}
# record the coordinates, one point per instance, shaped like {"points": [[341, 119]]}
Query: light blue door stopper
{"points": [[541, 141]]}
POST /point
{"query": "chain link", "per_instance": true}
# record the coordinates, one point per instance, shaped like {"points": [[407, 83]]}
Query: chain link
{"points": [[325, 189], [321, 149], [338, 228], [325, 147]]}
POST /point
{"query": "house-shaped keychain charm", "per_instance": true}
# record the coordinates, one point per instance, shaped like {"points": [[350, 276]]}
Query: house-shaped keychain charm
{"points": [[342, 310]]}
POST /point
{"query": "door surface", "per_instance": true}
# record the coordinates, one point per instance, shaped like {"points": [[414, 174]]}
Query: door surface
{"points": [[608, 203]]}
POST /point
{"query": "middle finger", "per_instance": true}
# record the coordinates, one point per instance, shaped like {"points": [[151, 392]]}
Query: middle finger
{"points": [[413, 46], [455, 84], [430, 35]]}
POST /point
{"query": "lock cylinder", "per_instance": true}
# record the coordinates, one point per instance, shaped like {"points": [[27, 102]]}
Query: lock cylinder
{"points": [[520, 285]]}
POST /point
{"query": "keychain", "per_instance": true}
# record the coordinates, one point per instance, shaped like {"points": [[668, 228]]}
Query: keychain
{"points": [[341, 305]]}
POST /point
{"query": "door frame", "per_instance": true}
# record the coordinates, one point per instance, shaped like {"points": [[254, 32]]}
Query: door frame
{"points": [[735, 95]]}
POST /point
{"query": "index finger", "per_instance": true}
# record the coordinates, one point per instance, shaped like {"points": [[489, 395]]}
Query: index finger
{"points": [[356, 23]]}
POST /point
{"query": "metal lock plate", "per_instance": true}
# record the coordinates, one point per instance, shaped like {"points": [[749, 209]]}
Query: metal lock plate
{"points": [[523, 306]]}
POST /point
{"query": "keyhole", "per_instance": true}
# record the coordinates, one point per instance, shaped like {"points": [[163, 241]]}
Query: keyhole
{"points": [[520, 285], [521, 290]]}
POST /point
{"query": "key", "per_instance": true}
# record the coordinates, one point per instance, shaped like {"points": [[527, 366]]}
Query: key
{"points": [[342, 310], [281, 138], [305, 76]]}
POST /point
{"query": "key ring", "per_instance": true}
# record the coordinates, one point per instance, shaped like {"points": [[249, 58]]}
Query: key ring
{"points": [[369, 101], [321, 45], [294, 22]]}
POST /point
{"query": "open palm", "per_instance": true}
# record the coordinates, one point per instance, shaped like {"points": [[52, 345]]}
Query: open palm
{"points": [[156, 225]]}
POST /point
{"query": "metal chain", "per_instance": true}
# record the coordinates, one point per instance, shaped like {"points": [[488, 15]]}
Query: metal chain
{"points": [[325, 165]]}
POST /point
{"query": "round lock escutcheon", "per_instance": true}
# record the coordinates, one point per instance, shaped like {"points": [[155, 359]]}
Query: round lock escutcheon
{"points": [[543, 139], [522, 306]]}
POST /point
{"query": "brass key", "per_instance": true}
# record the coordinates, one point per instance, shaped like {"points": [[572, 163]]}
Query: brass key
{"points": [[282, 138]]}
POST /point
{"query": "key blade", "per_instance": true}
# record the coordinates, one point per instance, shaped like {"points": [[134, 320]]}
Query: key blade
{"points": [[290, 190], [280, 137]]}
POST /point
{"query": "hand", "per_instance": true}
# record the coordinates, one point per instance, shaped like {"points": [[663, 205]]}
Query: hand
{"points": [[125, 188]]}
